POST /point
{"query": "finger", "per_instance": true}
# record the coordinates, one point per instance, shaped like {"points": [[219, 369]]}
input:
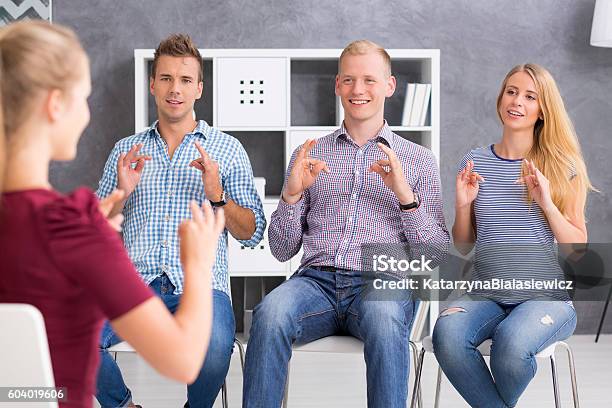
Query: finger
{"points": [[530, 181], [196, 212], [529, 167], [141, 157], [133, 151], [469, 167], [208, 215], [303, 149], [121, 160], [219, 221], [387, 150], [197, 164], [325, 168], [309, 145], [478, 176], [107, 204], [116, 221], [383, 162], [376, 168], [317, 167], [203, 152], [139, 165], [393, 160]]}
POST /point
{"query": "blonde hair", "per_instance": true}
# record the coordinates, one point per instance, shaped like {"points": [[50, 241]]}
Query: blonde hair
{"points": [[362, 47], [35, 56], [555, 151]]}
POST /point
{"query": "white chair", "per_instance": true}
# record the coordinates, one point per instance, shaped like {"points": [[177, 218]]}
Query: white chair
{"points": [[342, 345], [485, 350], [124, 347], [24, 351]]}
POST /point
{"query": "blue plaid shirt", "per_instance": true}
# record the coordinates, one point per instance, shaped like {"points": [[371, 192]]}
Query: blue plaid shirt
{"points": [[160, 201]]}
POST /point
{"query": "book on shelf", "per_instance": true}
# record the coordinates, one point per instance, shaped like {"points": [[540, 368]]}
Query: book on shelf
{"points": [[416, 104], [408, 102]]}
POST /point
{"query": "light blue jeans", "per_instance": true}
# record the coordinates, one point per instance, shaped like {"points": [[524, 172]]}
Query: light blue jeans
{"points": [[518, 333], [111, 389], [315, 304]]}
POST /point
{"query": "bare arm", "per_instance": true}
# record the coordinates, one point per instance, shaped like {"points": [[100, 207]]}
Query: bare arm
{"points": [[176, 345], [466, 190], [464, 235], [567, 230]]}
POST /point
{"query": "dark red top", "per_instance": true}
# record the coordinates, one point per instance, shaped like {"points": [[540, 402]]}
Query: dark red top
{"points": [[59, 254]]}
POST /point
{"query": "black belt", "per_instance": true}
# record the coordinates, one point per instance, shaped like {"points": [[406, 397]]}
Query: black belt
{"points": [[324, 268]]}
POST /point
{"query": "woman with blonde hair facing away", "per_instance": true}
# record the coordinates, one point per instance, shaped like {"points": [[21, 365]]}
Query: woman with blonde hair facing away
{"points": [[59, 252], [513, 200]]}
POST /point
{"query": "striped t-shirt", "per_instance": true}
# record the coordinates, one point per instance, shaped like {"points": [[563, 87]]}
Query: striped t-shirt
{"points": [[513, 238]]}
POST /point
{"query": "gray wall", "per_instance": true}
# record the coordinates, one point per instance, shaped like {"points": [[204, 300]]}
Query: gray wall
{"points": [[480, 40]]}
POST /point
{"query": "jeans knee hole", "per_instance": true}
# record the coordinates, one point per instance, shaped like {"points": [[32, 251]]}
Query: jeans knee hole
{"points": [[452, 310]]}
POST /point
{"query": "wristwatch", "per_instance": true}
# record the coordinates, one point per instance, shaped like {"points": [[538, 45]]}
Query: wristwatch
{"points": [[414, 204], [220, 203]]}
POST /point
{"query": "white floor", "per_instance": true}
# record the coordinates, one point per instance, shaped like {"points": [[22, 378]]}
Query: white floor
{"points": [[338, 380]]}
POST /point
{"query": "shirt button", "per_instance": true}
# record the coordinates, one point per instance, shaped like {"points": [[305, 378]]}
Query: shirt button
{"points": [[167, 217], [339, 257], [360, 152], [169, 193], [164, 243], [290, 212], [350, 218], [354, 195], [357, 172]]}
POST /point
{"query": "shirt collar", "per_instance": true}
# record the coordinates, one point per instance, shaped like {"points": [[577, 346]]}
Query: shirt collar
{"points": [[384, 135], [201, 130]]}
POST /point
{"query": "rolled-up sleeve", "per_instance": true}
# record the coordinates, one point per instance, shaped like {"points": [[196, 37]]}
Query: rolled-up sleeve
{"points": [[425, 227], [240, 186], [288, 223], [108, 182]]}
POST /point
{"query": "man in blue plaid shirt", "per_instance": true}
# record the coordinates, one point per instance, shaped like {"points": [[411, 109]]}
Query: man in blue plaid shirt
{"points": [[160, 170]]}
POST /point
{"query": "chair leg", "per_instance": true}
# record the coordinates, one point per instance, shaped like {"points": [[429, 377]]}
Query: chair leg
{"points": [[417, 378], [438, 386], [415, 359], [555, 380], [572, 368], [241, 352], [224, 395], [286, 396]]}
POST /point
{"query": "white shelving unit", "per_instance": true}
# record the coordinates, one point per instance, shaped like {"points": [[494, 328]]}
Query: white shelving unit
{"points": [[252, 93]]}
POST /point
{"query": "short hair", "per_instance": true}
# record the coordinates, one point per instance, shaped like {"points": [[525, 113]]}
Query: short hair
{"points": [[361, 47], [178, 45]]}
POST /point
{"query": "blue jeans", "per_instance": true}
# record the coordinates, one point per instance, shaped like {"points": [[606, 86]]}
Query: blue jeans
{"points": [[315, 304], [111, 389], [518, 333]]}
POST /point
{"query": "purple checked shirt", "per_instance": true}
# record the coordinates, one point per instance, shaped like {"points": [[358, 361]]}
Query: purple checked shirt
{"points": [[350, 206]]}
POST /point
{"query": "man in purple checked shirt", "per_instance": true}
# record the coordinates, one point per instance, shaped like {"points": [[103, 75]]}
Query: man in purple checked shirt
{"points": [[360, 184]]}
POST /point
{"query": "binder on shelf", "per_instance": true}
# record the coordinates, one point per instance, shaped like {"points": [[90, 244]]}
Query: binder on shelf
{"points": [[419, 99], [408, 104], [425, 106]]}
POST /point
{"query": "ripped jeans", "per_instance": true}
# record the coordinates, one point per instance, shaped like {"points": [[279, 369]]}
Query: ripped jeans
{"points": [[518, 333]]}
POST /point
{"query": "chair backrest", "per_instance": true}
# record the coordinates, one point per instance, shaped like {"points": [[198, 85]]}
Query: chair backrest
{"points": [[24, 351]]}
